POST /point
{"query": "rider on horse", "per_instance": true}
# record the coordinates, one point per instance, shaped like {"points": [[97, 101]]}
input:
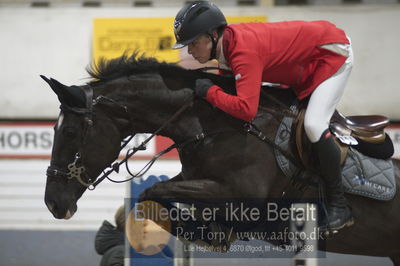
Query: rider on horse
{"points": [[312, 58]]}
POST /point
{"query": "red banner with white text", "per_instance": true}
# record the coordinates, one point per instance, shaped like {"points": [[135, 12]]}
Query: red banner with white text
{"points": [[29, 140]]}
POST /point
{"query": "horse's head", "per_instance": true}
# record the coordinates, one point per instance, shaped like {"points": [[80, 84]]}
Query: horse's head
{"points": [[86, 141], [131, 95]]}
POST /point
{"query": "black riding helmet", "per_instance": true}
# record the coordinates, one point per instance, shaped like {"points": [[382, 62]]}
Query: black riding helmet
{"points": [[194, 19]]}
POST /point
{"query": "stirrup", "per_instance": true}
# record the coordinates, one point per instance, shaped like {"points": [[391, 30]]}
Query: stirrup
{"points": [[330, 232]]}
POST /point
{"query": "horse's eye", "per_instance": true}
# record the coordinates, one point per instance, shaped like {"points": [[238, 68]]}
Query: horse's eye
{"points": [[69, 133]]}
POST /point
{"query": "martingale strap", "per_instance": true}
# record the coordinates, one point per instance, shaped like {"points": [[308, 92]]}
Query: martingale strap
{"points": [[253, 130]]}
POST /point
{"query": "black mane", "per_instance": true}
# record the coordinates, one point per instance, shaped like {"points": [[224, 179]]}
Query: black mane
{"points": [[106, 70]]}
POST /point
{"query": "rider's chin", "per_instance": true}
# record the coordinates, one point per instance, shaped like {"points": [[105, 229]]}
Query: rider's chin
{"points": [[201, 60]]}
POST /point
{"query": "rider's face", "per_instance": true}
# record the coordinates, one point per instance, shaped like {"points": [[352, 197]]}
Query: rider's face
{"points": [[200, 48]]}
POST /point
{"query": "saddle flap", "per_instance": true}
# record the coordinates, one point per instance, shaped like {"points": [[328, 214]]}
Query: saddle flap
{"points": [[303, 145]]}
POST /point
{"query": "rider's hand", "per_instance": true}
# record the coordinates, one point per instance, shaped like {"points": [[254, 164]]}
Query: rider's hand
{"points": [[202, 87]]}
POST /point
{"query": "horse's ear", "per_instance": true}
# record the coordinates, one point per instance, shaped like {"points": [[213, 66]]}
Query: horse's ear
{"points": [[57, 90], [69, 95]]}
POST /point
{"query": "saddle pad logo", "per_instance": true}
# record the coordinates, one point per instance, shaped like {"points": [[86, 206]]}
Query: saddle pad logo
{"points": [[363, 182]]}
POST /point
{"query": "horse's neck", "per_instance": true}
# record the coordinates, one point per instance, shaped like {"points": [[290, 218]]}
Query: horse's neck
{"points": [[158, 105], [152, 109]]}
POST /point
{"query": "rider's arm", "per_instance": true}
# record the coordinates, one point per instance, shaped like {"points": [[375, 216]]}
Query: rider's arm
{"points": [[247, 69]]}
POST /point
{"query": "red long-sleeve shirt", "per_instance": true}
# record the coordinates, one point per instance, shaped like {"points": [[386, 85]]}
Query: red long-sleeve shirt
{"points": [[287, 53]]}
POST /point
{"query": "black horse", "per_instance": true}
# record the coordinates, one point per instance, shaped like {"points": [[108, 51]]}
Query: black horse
{"points": [[219, 159]]}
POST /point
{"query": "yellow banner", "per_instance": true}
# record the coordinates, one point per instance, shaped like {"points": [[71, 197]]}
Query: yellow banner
{"points": [[113, 37], [244, 19], [153, 36]]}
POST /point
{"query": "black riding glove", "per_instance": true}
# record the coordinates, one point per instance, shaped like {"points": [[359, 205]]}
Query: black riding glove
{"points": [[202, 87]]}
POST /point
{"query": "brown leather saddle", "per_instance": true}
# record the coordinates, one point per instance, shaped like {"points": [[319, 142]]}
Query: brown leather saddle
{"points": [[347, 130], [369, 128]]}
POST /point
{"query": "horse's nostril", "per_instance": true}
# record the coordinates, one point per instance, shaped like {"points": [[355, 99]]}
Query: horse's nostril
{"points": [[51, 206]]}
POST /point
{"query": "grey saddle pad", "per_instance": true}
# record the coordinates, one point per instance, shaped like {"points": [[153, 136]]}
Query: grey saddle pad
{"points": [[362, 175]]}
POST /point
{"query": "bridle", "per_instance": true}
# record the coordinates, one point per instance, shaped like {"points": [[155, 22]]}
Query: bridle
{"points": [[77, 172]]}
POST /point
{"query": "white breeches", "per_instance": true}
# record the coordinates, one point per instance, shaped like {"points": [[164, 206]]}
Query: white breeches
{"points": [[326, 96]]}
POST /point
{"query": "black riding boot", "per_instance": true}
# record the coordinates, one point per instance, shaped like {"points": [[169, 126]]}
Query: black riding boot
{"points": [[339, 214]]}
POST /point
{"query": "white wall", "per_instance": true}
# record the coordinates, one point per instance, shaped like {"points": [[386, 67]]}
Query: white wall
{"points": [[22, 186], [374, 30], [56, 42]]}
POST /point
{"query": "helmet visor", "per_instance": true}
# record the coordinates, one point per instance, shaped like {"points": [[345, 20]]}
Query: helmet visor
{"points": [[178, 45]]}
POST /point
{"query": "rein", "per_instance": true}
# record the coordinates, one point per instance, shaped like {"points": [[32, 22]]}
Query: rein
{"points": [[115, 167], [204, 69], [75, 171]]}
